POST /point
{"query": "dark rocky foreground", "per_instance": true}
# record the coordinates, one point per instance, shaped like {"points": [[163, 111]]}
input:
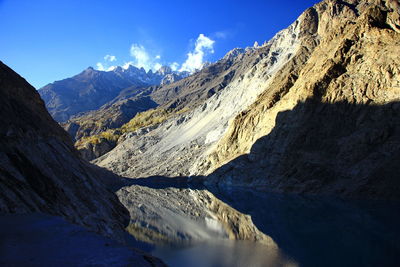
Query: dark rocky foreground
{"points": [[42, 240], [40, 170]]}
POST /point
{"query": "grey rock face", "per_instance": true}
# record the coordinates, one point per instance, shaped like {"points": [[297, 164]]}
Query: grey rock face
{"points": [[92, 151], [234, 53], [329, 124], [170, 78]]}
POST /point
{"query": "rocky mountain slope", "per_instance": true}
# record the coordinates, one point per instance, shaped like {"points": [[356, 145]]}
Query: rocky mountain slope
{"points": [[92, 88], [312, 110], [111, 115], [179, 143], [40, 170], [333, 128], [97, 132]]}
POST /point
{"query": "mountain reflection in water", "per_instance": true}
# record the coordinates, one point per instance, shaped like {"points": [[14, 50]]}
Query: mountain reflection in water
{"points": [[252, 228], [223, 253]]}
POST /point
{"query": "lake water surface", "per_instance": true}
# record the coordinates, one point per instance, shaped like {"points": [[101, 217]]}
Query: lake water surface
{"points": [[308, 231], [197, 227]]}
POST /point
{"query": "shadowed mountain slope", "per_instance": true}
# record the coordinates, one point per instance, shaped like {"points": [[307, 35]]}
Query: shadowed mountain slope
{"points": [[41, 171], [320, 148]]}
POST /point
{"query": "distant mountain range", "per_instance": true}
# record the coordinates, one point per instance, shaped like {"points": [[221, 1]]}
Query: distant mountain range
{"points": [[166, 98], [91, 88]]}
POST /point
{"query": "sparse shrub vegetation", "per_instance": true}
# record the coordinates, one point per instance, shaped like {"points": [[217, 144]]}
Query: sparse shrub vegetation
{"points": [[143, 119], [109, 135], [149, 118]]}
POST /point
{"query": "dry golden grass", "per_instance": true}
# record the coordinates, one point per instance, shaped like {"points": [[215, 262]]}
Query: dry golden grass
{"points": [[143, 119], [149, 118], [109, 135]]}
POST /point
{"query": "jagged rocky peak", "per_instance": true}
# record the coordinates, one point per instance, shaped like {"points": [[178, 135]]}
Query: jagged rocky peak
{"points": [[88, 73], [233, 53], [206, 64], [89, 69], [170, 78], [118, 69], [91, 89], [164, 70], [133, 70], [141, 69]]}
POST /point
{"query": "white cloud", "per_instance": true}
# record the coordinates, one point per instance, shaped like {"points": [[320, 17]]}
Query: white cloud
{"points": [[100, 66], [142, 59], [157, 66], [222, 34], [174, 66], [104, 66], [111, 68], [195, 59], [110, 58]]}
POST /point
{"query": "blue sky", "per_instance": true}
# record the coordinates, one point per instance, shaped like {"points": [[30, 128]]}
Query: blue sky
{"points": [[48, 40]]}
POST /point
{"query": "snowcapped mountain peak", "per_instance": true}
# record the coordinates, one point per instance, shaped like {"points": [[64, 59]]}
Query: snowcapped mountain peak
{"points": [[164, 70]]}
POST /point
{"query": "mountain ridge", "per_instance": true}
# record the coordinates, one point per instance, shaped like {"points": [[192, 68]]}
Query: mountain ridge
{"points": [[91, 88]]}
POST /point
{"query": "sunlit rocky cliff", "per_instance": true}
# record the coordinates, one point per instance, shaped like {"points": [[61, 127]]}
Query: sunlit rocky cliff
{"points": [[311, 110]]}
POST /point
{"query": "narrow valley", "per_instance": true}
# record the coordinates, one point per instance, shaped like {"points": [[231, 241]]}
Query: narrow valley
{"points": [[284, 153]]}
